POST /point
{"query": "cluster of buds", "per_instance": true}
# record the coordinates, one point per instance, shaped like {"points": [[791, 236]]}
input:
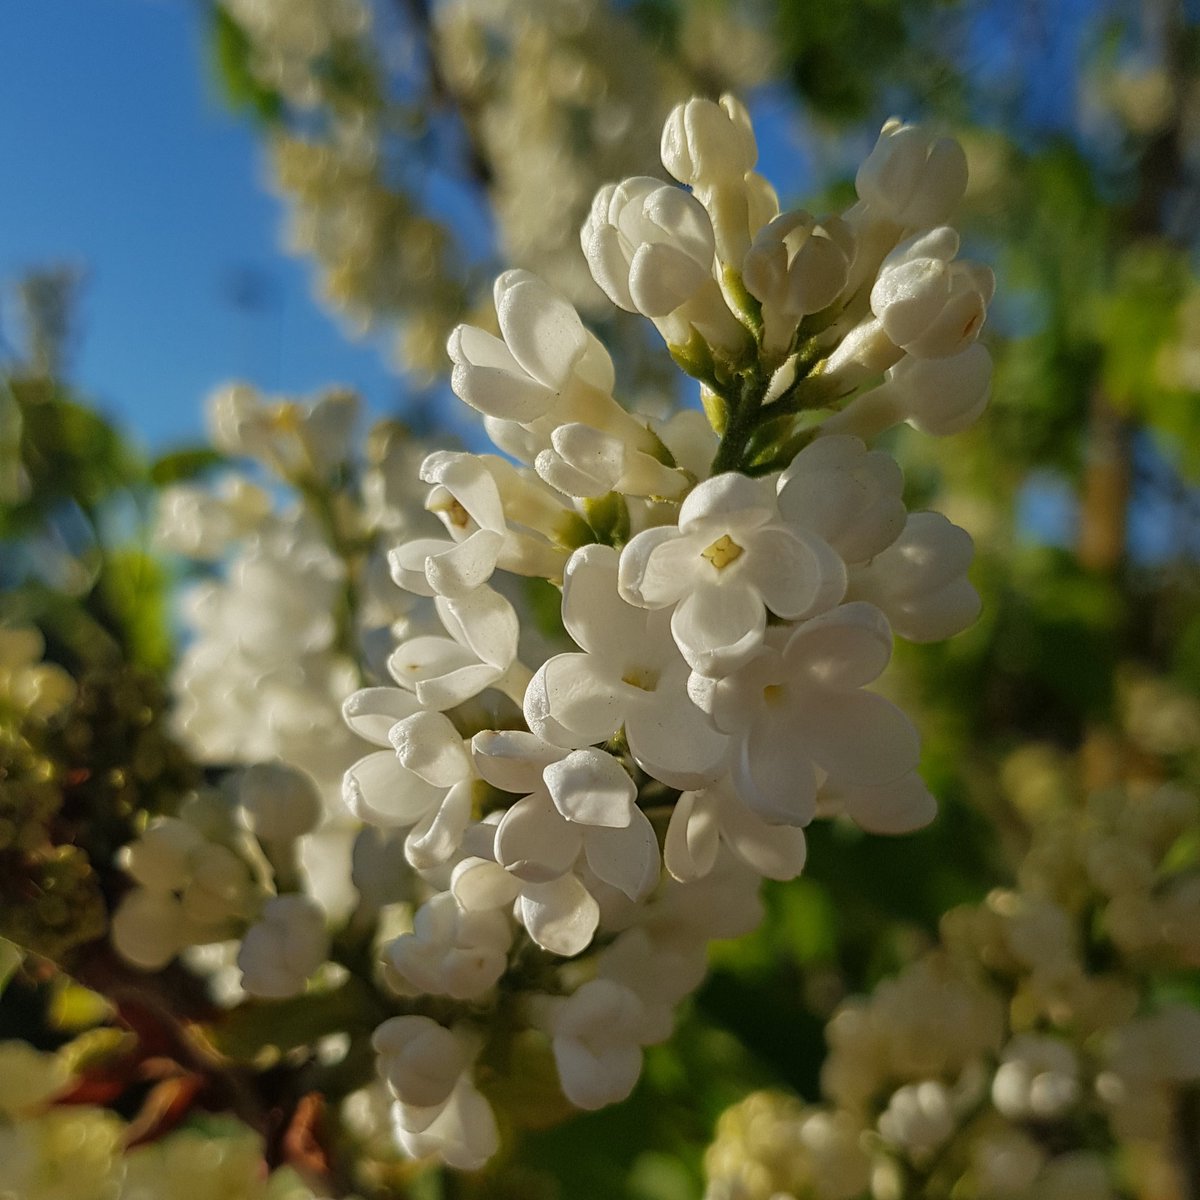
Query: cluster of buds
{"points": [[1034, 1053], [731, 588]]}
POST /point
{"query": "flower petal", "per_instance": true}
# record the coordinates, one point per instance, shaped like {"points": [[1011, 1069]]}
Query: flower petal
{"points": [[371, 712], [625, 858], [591, 788], [561, 916]]}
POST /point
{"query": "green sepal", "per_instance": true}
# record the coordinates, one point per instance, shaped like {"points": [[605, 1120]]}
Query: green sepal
{"points": [[609, 518]]}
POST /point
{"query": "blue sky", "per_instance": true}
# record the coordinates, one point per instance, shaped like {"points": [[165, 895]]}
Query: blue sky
{"points": [[121, 158]]}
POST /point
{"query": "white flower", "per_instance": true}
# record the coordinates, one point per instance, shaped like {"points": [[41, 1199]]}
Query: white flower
{"points": [[192, 891], [928, 305], [799, 706], [845, 495], [919, 1118], [901, 806], [287, 944], [462, 1133], [1038, 1078], [729, 561], [911, 178], [200, 522], [521, 377], [582, 461], [480, 653], [450, 952], [420, 1060], [468, 500], [424, 781], [561, 915], [650, 247], [630, 674], [701, 821], [281, 802], [660, 966], [920, 581], [704, 142], [577, 803], [596, 1047]]}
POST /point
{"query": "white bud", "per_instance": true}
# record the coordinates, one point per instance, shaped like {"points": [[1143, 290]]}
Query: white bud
{"points": [[280, 952], [704, 142], [796, 266], [419, 1059], [911, 178], [281, 802], [928, 305]]}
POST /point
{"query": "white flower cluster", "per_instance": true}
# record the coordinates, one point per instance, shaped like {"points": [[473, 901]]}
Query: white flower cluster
{"points": [[297, 601], [731, 593], [1005, 1063]]}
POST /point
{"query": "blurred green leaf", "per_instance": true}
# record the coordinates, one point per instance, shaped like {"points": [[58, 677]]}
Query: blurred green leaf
{"points": [[182, 465]]}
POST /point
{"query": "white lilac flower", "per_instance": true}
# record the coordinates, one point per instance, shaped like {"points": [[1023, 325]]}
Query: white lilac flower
{"points": [[280, 802], [799, 707], [919, 1119], [201, 522], [1038, 1078], [560, 915], [420, 1060], [544, 371], [425, 780], [468, 500], [594, 1033], [920, 580], [929, 305], [480, 653], [701, 821], [845, 495], [629, 675], [284, 947], [191, 890], [449, 952], [660, 970], [462, 1133], [582, 461], [729, 562], [902, 806], [575, 803]]}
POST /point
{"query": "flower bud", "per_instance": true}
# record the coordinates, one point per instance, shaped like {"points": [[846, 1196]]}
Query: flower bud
{"points": [[928, 305], [284, 948], [282, 803], [910, 178], [706, 143]]}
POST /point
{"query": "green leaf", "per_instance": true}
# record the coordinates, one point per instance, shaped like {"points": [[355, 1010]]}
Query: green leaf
{"points": [[182, 465], [230, 52]]}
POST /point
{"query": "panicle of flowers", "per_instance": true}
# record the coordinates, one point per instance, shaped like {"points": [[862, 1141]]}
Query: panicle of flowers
{"points": [[1033, 1053], [295, 606], [731, 587]]}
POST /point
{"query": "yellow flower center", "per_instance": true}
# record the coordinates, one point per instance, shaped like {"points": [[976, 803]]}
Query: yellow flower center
{"points": [[722, 552], [641, 678]]}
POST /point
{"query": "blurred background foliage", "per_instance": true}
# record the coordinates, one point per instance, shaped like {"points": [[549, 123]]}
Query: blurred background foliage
{"points": [[420, 146]]}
